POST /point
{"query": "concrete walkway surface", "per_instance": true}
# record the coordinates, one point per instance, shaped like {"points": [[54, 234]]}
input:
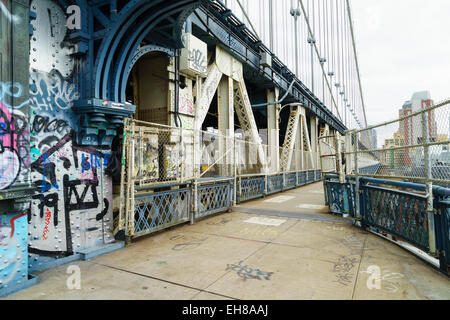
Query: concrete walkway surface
{"points": [[284, 246]]}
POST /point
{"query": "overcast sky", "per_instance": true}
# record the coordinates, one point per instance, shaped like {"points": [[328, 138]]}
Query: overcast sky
{"points": [[403, 47]]}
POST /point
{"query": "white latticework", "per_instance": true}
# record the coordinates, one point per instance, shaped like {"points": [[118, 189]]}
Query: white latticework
{"points": [[289, 140], [208, 90], [247, 121]]}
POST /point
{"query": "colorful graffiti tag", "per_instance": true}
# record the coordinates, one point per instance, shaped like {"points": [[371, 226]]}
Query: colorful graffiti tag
{"points": [[14, 137], [75, 194], [13, 249]]}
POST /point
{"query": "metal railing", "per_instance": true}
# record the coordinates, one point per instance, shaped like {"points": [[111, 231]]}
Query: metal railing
{"points": [[172, 175], [398, 186], [415, 147]]}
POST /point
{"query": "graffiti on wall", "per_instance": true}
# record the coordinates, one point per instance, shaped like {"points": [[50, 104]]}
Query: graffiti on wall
{"points": [[197, 60], [49, 92], [13, 248], [73, 210], [14, 137]]}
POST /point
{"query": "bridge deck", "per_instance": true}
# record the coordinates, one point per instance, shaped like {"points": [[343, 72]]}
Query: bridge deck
{"points": [[280, 247]]}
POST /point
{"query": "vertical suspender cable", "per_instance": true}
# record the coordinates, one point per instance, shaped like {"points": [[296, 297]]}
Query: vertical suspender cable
{"points": [[356, 61], [317, 52]]}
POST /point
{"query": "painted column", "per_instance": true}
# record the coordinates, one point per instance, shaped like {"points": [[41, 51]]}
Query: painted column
{"points": [[225, 107], [273, 132], [299, 144], [313, 124]]}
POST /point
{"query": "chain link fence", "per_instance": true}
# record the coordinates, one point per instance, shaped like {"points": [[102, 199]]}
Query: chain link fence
{"points": [[172, 175], [415, 147]]}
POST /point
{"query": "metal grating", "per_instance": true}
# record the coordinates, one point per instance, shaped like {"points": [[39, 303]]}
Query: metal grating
{"points": [[156, 211], [340, 198], [290, 180], [274, 184], [251, 188], [213, 199], [301, 178], [399, 213], [310, 177]]}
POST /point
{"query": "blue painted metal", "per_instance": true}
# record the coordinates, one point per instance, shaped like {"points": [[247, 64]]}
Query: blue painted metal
{"points": [[214, 198], [13, 252], [101, 250], [318, 175], [301, 178], [18, 286], [274, 184], [399, 213], [38, 263], [160, 210], [399, 208], [310, 176], [131, 26], [133, 39], [251, 188], [340, 197], [442, 225], [120, 81], [291, 181]]}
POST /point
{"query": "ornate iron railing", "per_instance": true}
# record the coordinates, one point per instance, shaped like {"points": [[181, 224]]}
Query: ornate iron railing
{"points": [[213, 198], [301, 178], [402, 214], [251, 188], [397, 208], [160, 210], [274, 184], [340, 197], [310, 177], [291, 180]]}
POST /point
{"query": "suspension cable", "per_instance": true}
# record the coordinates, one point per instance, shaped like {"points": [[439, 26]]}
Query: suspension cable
{"points": [[317, 52], [356, 60]]}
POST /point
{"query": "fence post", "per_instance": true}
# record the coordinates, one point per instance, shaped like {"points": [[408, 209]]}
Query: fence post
{"points": [[235, 171], [129, 214], [123, 197], [357, 193], [321, 166], [196, 174], [337, 146], [195, 211], [429, 184]]}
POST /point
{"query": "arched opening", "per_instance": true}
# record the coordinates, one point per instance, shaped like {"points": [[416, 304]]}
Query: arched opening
{"points": [[148, 88]]}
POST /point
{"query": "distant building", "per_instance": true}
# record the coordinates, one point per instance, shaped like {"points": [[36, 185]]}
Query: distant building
{"points": [[419, 101], [394, 158], [411, 128]]}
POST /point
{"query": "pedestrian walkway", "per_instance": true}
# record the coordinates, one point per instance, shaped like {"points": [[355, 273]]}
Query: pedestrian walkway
{"points": [[284, 246]]}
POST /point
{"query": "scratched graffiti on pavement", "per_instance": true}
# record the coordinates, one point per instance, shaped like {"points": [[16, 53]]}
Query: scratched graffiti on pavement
{"points": [[343, 269], [246, 272]]}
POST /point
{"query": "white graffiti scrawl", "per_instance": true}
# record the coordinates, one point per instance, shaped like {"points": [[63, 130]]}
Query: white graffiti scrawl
{"points": [[50, 92]]}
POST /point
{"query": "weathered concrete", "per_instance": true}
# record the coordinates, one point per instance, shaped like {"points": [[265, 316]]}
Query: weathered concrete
{"points": [[301, 253]]}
